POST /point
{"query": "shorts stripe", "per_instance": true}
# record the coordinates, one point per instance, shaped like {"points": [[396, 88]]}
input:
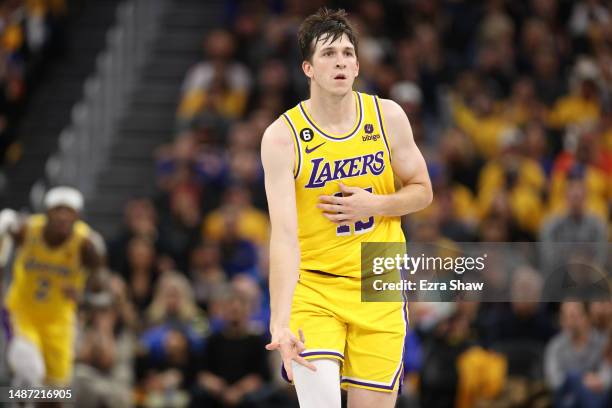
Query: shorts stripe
{"points": [[6, 324], [374, 384], [406, 326]]}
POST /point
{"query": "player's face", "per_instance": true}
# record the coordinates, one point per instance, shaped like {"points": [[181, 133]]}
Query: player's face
{"points": [[62, 219], [334, 65]]}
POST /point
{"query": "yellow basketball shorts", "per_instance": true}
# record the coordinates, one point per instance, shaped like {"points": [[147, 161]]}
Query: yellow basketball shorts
{"points": [[55, 340], [367, 338]]}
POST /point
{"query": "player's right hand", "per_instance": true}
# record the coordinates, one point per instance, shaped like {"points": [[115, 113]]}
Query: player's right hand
{"points": [[290, 348]]}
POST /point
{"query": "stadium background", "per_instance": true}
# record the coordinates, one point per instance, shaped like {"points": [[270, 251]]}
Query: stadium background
{"points": [[509, 102]]}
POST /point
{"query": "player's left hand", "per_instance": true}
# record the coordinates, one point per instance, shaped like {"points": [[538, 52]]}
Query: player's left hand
{"points": [[355, 204]]}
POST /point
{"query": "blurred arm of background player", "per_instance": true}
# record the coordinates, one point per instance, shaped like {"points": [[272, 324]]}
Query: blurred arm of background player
{"points": [[277, 156], [93, 255], [408, 166], [11, 233]]}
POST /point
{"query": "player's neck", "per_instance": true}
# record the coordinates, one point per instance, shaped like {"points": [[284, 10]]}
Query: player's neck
{"points": [[53, 240], [332, 112]]}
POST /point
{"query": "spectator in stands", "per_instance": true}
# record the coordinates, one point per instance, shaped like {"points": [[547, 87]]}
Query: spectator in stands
{"points": [[461, 161], [258, 306], [219, 84], [480, 121], [175, 337], [587, 161], [174, 306], [251, 224], [409, 96], [583, 104], [180, 230], [586, 18], [273, 90], [140, 272], [177, 163], [536, 147], [572, 359], [234, 366], [519, 177], [246, 170], [205, 272], [139, 220], [93, 385], [524, 320], [455, 211], [104, 357], [576, 225], [29, 32], [523, 105], [168, 375], [239, 255], [600, 313]]}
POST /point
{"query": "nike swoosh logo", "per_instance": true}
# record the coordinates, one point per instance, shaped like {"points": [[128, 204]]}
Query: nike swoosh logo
{"points": [[308, 151]]}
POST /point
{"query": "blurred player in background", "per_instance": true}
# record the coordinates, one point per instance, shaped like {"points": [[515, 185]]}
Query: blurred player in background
{"points": [[53, 253], [330, 164]]}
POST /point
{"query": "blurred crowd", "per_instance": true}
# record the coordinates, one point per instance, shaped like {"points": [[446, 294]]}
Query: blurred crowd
{"points": [[30, 31], [510, 103]]}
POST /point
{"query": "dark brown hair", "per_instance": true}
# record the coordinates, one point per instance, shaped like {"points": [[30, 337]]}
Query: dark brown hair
{"points": [[324, 25]]}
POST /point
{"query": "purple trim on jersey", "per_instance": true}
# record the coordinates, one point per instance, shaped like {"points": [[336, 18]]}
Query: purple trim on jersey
{"points": [[6, 324], [382, 127], [297, 146], [334, 137]]}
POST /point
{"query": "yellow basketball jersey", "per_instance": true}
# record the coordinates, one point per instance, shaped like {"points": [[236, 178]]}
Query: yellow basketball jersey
{"points": [[40, 273], [360, 158]]}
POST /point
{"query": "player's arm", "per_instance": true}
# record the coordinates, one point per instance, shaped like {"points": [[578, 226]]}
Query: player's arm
{"points": [[408, 165], [92, 258], [278, 159], [12, 232]]}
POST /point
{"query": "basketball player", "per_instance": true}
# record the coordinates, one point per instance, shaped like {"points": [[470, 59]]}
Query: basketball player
{"points": [[53, 249], [330, 164]]}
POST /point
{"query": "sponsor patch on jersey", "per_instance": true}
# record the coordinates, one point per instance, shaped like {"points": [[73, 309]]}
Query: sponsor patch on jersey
{"points": [[367, 138], [306, 134]]}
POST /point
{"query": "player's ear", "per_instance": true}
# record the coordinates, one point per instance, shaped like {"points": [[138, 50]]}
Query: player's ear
{"points": [[307, 68], [357, 70]]}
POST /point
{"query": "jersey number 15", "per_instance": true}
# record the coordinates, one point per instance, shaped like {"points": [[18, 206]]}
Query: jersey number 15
{"points": [[359, 227]]}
